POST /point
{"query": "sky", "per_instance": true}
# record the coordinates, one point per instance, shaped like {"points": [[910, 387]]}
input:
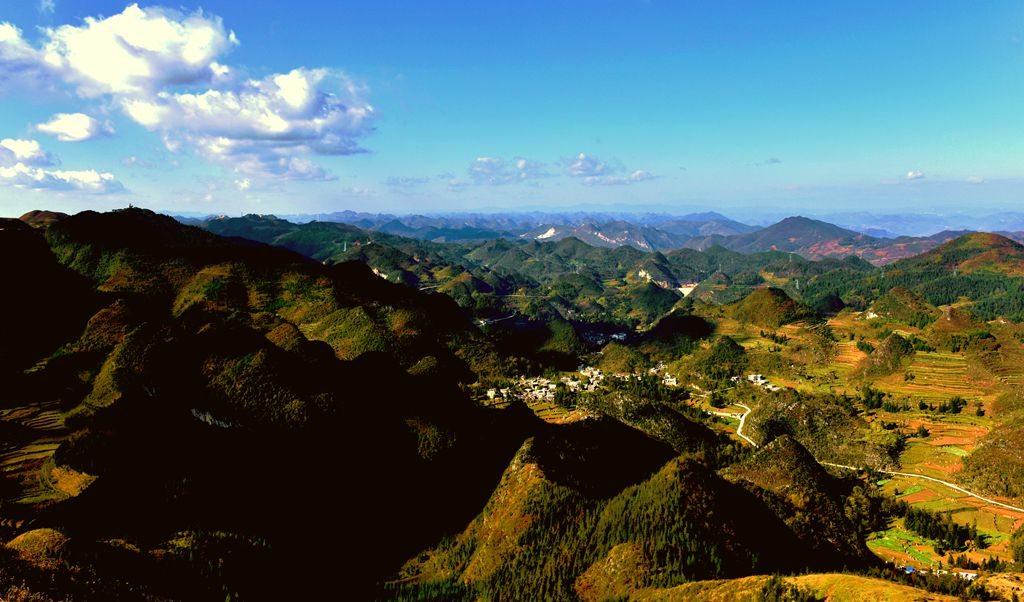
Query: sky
{"points": [[417, 107]]}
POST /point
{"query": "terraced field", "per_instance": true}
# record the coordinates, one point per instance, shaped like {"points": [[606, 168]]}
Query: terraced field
{"points": [[27, 465], [545, 410], [935, 377], [1010, 368], [849, 356], [994, 522]]}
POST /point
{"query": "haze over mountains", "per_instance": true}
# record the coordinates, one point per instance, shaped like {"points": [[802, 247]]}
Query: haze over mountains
{"points": [[810, 238]]}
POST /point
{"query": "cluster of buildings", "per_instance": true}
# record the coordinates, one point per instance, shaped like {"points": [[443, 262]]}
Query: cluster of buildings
{"points": [[666, 379], [967, 574], [543, 389], [600, 339], [758, 380]]}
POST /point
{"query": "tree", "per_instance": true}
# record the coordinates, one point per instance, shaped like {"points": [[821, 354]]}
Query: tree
{"points": [[1017, 546]]}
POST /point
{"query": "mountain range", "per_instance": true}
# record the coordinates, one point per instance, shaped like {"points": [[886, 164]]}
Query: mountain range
{"points": [[262, 409], [810, 238]]}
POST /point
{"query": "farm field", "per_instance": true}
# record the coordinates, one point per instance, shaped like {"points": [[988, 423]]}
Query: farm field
{"points": [[545, 410], [835, 587], [26, 462], [933, 377], [994, 522], [549, 412], [925, 382]]}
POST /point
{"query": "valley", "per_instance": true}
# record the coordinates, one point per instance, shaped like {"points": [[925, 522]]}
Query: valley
{"points": [[844, 417]]}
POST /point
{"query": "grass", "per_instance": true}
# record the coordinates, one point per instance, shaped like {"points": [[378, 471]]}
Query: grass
{"points": [[835, 587], [897, 544], [956, 451]]}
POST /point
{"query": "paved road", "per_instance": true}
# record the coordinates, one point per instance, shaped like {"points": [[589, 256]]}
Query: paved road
{"points": [[743, 419]]}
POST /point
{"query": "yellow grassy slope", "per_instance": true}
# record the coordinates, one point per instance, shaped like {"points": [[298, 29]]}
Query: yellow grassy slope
{"points": [[834, 587]]}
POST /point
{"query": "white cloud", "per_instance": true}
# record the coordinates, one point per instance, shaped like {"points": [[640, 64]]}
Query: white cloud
{"points": [[75, 127], [258, 158], [913, 175], [23, 164], [406, 181], [21, 175], [496, 171], [139, 51], [262, 125], [595, 172], [27, 152], [21, 66], [47, 7], [142, 58], [975, 180], [585, 166], [634, 177]]}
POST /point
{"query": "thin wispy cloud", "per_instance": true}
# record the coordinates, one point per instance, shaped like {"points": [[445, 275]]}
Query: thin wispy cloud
{"points": [[913, 175], [632, 178], [406, 181]]}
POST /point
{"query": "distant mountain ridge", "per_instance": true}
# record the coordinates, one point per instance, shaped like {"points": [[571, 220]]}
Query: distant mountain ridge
{"points": [[646, 232], [808, 237], [815, 239]]}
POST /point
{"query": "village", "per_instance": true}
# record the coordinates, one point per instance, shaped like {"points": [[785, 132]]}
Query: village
{"points": [[588, 379]]}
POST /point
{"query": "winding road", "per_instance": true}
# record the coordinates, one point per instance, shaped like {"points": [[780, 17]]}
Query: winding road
{"points": [[743, 420]]}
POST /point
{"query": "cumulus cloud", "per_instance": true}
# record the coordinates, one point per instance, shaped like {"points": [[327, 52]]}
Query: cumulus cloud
{"points": [[595, 172], [155, 63], [913, 175], [585, 166], [495, 171], [26, 152], [406, 181], [23, 164], [75, 127], [21, 175], [138, 51], [261, 125]]}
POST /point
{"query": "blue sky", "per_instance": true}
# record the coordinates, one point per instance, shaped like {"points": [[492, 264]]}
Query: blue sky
{"points": [[415, 106]]}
